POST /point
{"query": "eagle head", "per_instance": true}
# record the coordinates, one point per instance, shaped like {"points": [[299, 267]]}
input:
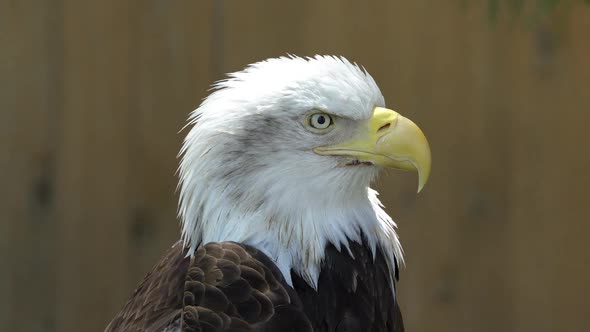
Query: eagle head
{"points": [[281, 157]]}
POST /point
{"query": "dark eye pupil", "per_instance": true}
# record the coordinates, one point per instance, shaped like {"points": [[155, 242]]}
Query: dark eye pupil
{"points": [[321, 119]]}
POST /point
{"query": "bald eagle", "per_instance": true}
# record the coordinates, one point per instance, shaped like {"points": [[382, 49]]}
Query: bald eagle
{"points": [[280, 228]]}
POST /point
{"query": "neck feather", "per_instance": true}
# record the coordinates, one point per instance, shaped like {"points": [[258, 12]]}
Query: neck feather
{"points": [[293, 231]]}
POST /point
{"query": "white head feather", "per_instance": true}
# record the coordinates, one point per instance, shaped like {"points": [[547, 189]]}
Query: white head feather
{"points": [[248, 173]]}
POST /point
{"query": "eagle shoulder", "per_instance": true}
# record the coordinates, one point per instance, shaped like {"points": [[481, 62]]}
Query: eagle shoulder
{"points": [[224, 286]]}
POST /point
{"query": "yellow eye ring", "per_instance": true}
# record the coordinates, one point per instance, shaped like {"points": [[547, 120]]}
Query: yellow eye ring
{"points": [[320, 121]]}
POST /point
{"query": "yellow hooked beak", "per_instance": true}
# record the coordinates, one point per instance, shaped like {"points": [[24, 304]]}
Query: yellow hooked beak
{"points": [[389, 140]]}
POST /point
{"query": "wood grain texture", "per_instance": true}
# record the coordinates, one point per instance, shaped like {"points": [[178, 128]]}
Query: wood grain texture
{"points": [[126, 62], [29, 116], [92, 96], [93, 167]]}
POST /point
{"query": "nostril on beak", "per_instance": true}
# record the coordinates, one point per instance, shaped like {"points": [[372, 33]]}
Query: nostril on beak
{"points": [[383, 128]]}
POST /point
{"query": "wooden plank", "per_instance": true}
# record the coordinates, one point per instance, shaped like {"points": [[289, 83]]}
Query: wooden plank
{"points": [[93, 165], [133, 72], [550, 179], [29, 98], [256, 30], [170, 73]]}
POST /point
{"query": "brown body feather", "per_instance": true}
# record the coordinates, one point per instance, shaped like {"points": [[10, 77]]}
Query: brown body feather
{"points": [[234, 287]]}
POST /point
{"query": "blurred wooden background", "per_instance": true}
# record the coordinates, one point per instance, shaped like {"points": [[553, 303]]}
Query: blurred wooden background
{"points": [[92, 96]]}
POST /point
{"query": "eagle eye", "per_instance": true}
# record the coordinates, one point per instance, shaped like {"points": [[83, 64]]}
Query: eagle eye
{"points": [[320, 120]]}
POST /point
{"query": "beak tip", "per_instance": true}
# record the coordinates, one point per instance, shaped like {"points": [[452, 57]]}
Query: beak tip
{"points": [[422, 179], [420, 187]]}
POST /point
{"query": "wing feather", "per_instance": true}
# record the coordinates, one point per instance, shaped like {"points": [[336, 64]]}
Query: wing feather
{"points": [[224, 286]]}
